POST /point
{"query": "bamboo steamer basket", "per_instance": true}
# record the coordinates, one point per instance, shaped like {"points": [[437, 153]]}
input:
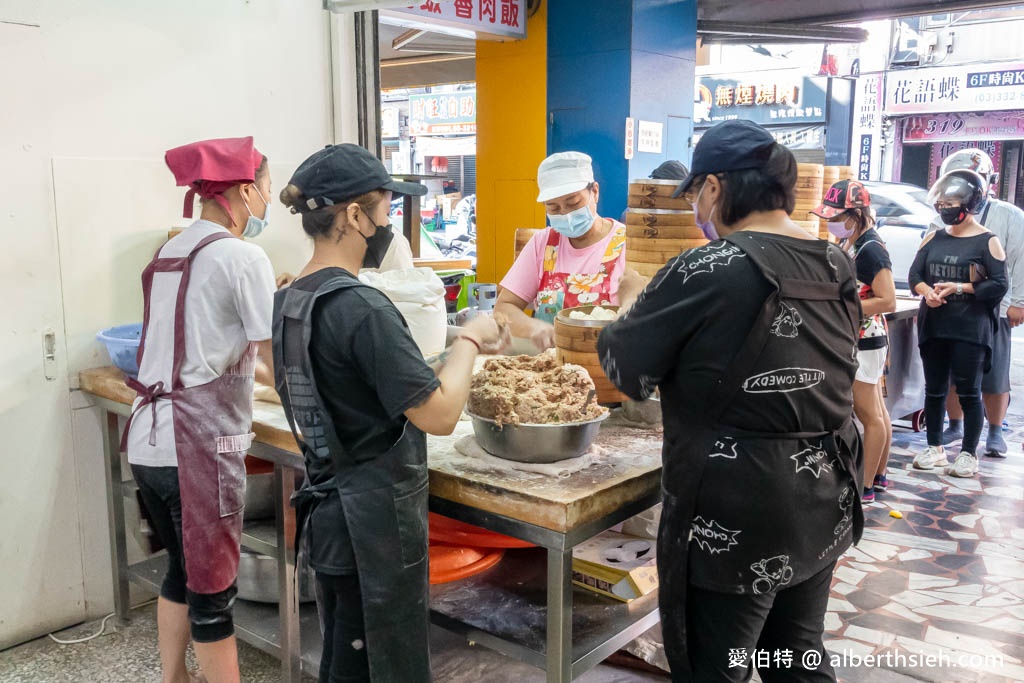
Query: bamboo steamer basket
{"points": [[810, 226], [810, 170], [846, 172], [646, 269], [658, 256], [576, 342], [654, 237], [831, 178], [523, 237], [650, 187], [810, 188], [660, 218], [664, 233], [649, 193], [637, 201]]}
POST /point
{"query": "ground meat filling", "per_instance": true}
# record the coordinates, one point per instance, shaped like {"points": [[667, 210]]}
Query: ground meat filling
{"points": [[532, 390]]}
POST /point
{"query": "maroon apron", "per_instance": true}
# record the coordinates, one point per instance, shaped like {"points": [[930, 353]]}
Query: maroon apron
{"points": [[212, 432]]}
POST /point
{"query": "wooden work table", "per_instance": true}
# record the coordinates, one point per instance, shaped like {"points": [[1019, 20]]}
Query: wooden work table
{"points": [[630, 468], [554, 512]]}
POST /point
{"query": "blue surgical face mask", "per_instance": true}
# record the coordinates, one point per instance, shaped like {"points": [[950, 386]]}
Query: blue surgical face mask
{"points": [[707, 227], [573, 224], [254, 226]]}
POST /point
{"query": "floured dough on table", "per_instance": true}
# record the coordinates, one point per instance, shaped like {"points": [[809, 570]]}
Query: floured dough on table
{"points": [[532, 390]]}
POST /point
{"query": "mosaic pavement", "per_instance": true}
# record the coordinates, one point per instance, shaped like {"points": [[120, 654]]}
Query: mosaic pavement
{"points": [[946, 580]]}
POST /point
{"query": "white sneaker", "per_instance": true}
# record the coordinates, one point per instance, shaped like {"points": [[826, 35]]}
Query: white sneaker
{"points": [[934, 456], [965, 465]]}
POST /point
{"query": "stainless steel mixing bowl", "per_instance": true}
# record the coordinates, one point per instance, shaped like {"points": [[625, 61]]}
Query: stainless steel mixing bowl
{"points": [[536, 443]]}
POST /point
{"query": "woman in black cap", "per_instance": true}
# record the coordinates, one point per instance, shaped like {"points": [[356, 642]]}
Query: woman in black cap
{"points": [[751, 342], [961, 273], [847, 208], [359, 398]]}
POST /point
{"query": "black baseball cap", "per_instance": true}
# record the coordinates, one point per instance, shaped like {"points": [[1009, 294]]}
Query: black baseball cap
{"points": [[730, 146], [670, 170], [340, 172]]}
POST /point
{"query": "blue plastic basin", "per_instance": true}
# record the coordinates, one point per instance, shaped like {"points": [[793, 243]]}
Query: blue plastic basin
{"points": [[122, 344]]}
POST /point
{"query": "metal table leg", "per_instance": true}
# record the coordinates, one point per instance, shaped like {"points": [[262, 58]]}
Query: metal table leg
{"points": [[288, 603], [115, 515], [559, 654]]}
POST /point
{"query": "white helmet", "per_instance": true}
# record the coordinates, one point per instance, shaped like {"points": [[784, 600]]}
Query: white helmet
{"points": [[970, 159]]}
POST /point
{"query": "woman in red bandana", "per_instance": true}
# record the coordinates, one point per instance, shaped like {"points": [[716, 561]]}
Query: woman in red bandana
{"points": [[208, 303]]}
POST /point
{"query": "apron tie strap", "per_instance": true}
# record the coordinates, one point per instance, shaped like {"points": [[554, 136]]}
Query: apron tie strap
{"points": [[149, 396]]}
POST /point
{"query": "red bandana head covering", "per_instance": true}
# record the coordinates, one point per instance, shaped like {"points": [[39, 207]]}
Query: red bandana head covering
{"points": [[210, 167]]}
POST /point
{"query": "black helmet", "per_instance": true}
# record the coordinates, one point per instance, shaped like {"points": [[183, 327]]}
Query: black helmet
{"points": [[957, 194]]}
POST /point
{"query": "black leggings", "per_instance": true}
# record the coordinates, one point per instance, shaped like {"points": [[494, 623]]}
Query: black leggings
{"points": [[966, 363], [721, 625], [210, 615], [340, 604]]}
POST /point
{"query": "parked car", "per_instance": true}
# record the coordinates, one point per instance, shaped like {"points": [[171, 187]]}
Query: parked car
{"points": [[903, 215]]}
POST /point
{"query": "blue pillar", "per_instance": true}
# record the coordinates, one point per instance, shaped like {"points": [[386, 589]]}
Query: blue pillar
{"points": [[615, 59]]}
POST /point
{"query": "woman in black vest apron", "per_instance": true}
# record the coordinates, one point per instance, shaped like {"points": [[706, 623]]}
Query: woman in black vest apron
{"points": [[752, 342], [359, 397]]}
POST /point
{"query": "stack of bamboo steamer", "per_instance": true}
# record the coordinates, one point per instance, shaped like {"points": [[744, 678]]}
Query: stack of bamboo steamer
{"points": [[576, 343], [658, 227], [810, 188]]}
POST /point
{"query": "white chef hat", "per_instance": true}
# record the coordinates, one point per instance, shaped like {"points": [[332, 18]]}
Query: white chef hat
{"points": [[564, 173]]}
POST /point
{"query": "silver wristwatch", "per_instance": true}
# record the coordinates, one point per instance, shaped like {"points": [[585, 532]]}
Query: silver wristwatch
{"points": [[959, 288]]}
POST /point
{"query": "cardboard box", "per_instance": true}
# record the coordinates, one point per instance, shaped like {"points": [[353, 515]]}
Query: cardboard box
{"points": [[448, 202], [616, 565]]}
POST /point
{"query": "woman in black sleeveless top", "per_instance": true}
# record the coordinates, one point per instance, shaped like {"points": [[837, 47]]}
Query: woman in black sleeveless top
{"points": [[847, 207], [961, 273], [751, 341]]}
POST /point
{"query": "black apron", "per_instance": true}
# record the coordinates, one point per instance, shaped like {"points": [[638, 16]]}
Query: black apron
{"points": [[384, 500], [765, 362]]}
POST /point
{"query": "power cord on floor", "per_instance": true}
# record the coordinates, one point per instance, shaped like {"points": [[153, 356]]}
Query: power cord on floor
{"points": [[103, 628]]}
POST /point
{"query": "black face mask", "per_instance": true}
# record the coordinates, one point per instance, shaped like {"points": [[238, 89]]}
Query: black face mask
{"points": [[952, 215], [377, 246]]}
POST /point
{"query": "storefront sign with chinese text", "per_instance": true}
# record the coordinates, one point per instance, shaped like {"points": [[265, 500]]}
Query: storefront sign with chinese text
{"points": [[505, 18], [630, 138], [941, 127], [793, 137], [865, 155], [941, 150], [766, 100], [443, 113], [978, 87]]}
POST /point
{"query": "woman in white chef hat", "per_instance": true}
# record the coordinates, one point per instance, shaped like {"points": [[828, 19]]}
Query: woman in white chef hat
{"points": [[579, 260]]}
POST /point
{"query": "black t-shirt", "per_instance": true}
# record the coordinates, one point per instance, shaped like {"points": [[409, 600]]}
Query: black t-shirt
{"points": [[871, 257], [769, 501], [964, 317], [368, 371]]}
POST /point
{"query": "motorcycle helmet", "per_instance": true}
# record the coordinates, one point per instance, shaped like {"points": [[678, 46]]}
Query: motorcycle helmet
{"points": [[957, 194], [971, 159]]}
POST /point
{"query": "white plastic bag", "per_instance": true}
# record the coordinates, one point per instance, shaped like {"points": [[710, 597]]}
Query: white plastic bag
{"points": [[418, 294]]}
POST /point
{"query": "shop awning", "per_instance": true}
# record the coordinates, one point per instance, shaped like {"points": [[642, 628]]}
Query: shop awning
{"points": [[832, 11], [800, 20]]}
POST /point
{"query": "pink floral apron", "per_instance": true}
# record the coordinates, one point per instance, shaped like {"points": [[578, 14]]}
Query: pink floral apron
{"points": [[568, 290]]}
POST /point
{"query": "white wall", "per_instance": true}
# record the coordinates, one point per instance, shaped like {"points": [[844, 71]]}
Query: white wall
{"points": [[93, 94]]}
